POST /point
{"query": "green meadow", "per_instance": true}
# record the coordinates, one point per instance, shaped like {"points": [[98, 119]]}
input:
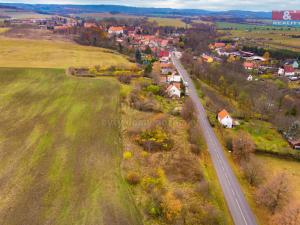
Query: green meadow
{"points": [[60, 150]]}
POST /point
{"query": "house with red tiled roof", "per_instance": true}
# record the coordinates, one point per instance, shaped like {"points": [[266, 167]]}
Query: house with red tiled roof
{"points": [[225, 119], [174, 90], [248, 65]]}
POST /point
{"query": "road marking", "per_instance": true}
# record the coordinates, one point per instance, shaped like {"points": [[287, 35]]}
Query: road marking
{"points": [[241, 211]]}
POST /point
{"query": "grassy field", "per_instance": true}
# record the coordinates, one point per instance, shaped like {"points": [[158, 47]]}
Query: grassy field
{"points": [[51, 54], [59, 153], [240, 26], [173, 22], [17, 14]]}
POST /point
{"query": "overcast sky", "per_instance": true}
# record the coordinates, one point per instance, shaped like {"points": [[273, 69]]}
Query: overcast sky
{"points": [[257, 5]]}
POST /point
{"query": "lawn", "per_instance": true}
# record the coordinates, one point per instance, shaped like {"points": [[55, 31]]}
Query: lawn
{"points": [[266, 137], [60, 150], [172, 22], [54, 54]]}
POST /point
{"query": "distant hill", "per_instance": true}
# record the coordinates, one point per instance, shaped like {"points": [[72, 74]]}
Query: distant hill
{"points": [[74, 9]]}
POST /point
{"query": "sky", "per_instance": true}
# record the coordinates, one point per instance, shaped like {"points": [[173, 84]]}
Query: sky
{"points": [[254, 5]]}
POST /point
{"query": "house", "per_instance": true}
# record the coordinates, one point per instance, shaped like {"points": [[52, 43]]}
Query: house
{"points": [[295, 144], [90, 25], [174, 90], [281, 71], [248, 65], [289, 70], [225, 119], [221, 52], [166, 68], [116, 30]]}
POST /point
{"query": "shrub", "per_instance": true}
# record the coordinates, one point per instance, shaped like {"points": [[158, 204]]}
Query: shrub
{"points": [[183, 167], [127, 155], [187, 112], [228, 142], [171, 206], [153, 209], [155, 140], [125, 79], [196, 138], [154, 89], [133, 178], [203, 188]]}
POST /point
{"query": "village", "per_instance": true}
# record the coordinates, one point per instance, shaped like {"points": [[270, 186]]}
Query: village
{"points": [[153, 50]]}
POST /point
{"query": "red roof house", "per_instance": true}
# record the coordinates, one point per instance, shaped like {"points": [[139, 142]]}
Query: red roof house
{"points": [[248, 65]]}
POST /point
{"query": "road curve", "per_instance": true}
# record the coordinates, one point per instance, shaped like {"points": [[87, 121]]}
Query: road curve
{"points": [[237, 204]]}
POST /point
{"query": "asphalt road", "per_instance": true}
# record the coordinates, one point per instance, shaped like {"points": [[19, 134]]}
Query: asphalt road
{"points": [[237, 204]]}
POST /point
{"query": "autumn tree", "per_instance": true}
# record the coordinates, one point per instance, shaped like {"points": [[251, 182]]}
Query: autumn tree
{"points": [[171, 206], [274, 194], [266, 56], [289, 216], [242, 147]]}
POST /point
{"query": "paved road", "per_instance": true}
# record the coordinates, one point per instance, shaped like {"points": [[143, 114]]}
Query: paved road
{"points": [[239, 208]]}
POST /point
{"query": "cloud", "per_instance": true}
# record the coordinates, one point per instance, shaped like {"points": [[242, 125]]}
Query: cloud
{"points": [[257, 5]]}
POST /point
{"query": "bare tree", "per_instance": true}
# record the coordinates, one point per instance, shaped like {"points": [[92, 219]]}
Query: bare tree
{"points": [[289, 216], [242, 146], [253, 172], [275, 193]]}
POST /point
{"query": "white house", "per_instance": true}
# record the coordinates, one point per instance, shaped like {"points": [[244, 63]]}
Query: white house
{"points": [[225, 119], [281, 71], [174, 90]]}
